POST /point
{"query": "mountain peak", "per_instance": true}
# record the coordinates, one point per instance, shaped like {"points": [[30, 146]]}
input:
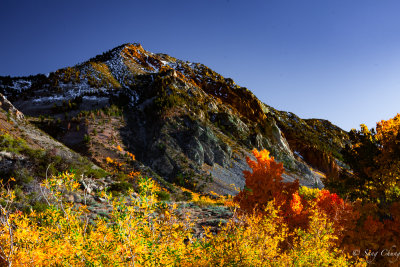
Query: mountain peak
{"points": [[181, 119]]}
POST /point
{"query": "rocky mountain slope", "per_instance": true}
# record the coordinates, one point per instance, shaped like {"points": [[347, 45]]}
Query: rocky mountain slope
{"points": [[316, 141], [27, 154], [186, 124]]}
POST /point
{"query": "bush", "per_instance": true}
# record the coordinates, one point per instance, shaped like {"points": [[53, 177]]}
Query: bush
{"points": [[120, 187], [86, 139], [163, 195], [60, 235], [264, 184], [95, 173], [188, 196]]}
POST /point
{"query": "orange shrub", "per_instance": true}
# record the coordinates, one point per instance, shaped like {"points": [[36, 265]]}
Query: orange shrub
{"points": [[264, 184]]}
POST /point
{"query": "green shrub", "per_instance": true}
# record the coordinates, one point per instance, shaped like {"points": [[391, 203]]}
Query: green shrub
{"points": [[40, 206], [95, 173], [86, 139], [120, 187], [163, 196], [188, 196]]}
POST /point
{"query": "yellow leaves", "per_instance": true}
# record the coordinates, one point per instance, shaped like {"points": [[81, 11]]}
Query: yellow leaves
{"points": [[137, 234], [203, 199], [214, 194], [118, 166], [308, 193], [109, 160], [261, 156], [11, 196], [75, 185], [114, 164], [375, 159], [252, 240], [365, 130], [130, 155], [105, 195], [64, 181]]}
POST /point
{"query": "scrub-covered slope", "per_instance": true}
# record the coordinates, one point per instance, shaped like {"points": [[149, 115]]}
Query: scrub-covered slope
{"points": [[27, 153]]}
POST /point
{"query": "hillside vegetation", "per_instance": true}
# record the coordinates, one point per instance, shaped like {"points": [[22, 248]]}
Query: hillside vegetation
{"points": [[141, 230], [273, 223], [140, 159]]}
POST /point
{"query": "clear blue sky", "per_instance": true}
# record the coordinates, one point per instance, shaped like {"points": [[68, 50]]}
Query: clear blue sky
{"points": [[332, 59]]}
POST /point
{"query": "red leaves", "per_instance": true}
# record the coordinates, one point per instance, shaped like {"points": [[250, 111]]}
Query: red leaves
{"points": [[371, 226], [265, 184]]}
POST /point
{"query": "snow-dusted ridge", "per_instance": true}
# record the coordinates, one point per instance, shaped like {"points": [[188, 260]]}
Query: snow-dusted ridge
{"points": [[122, 65]]}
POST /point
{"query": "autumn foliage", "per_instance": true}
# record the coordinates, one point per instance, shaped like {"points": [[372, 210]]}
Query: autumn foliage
{"points": [[142, 231], [264, 184], [374, 159], [146, 232], [367, 221], [278, 224]]}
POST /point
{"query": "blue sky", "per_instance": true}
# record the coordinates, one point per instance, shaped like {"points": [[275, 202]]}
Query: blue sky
{"points": [[337, 60]]}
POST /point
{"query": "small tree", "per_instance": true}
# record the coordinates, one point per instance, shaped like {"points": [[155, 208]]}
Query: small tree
{"points": [[374, 158], [264, 184]]}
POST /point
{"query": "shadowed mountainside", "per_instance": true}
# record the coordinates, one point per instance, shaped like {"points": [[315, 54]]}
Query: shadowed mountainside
{"points": [[186, 124]]}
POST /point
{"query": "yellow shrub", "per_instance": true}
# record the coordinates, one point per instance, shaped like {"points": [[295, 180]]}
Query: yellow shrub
{"points": [[145, 232]]}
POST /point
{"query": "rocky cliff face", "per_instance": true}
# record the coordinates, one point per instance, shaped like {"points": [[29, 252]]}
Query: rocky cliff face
{"points": [[316, 141], [186, 124]]}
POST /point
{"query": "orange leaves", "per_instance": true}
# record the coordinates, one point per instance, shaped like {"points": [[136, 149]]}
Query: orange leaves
{"points": [[131, 155], [375, 161], [262, 156], [264, 183], [386, 131], [295, 203], [395, 211], [264, 166], [325, 195], [133, 174], [127, 153], [114, 163], [118, 165], [315, 222]]}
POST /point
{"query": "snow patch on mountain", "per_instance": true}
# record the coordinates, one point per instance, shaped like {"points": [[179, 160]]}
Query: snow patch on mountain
{"points": [[21, 85]]}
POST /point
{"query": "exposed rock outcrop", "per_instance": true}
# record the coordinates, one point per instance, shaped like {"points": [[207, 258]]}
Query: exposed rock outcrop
{"points": [[185, 123]]}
